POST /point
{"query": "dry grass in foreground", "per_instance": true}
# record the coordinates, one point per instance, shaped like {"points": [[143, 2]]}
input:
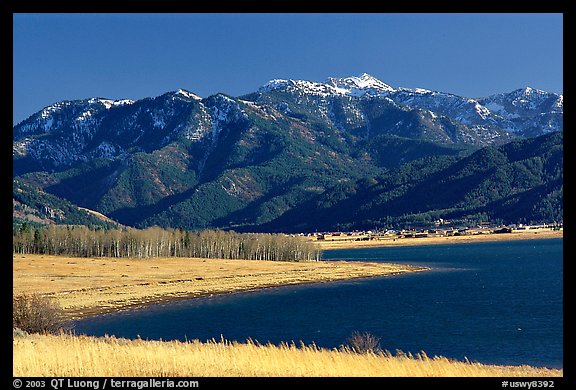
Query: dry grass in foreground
{"points": [[86, 286], [67, 355]]}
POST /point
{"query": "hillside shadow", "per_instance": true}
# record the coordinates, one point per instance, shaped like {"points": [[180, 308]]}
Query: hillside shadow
{"points": [[137, 214]]}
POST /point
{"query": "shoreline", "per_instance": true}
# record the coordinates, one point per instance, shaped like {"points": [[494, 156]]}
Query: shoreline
{"points": [[87, 287], [82, 297], [352, 243], [88, 313]]}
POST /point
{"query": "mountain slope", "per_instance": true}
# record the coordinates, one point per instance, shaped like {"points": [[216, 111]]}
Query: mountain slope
{"points": [[529, 112], [31, 205], [254, 161], [520, 181]]}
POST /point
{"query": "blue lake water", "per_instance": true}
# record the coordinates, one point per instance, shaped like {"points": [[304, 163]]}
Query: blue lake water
{"points": [[496, 302]]}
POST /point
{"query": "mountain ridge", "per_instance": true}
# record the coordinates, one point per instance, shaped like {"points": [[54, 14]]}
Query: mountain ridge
{"points": [[178, 159]]}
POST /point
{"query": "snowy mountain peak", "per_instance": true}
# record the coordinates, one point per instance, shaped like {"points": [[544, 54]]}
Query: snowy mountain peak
{"points": [[109, 103], [274, 84], [532, 99], [361, 85], [187, 94], [530, 90]]}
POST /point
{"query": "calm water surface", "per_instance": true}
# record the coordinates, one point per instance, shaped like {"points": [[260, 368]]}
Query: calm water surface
{"points": [[497, 302]]}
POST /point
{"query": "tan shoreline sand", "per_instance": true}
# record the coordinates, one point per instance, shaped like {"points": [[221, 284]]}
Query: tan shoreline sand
{"points": [[90, 286], [344, 242]]}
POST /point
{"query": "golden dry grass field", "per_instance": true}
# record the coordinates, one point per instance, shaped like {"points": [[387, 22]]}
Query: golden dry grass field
{"points": [[66, 355], [86, 286]]}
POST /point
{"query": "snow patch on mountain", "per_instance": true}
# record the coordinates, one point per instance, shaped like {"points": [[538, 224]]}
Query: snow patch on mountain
{"points": [[106, 150], [84, 115], [359, 86], [187, 94], [200, 127], [20, 147], [559, 104], [224, 111], [159, 121], [109, 103], [274, 84], [482, 111]]}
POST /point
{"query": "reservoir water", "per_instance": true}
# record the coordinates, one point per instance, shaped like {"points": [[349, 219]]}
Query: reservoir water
{"points": [[491, 302]]}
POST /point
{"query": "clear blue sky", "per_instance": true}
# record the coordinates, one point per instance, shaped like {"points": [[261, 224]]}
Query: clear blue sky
{"points": [[74, 56]]}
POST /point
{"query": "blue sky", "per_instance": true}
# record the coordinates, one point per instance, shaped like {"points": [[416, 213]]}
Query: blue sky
{"points": [[75, 56]]}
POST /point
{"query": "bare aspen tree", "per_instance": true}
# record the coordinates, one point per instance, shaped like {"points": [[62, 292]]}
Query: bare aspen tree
{"points": [[157, 242]]}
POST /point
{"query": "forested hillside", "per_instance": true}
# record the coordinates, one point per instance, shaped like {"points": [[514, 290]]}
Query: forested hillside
{"points": [[293, 155]]}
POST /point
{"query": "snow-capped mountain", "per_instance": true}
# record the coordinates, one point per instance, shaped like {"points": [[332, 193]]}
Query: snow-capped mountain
{"points": [[526, 112], [75, 131], [80, 112], [364, 85], [82, 130], [523, 102], [182, 160]]}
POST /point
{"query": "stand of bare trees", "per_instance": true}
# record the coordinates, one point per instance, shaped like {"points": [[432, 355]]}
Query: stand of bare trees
{"points": [[83, 241]]}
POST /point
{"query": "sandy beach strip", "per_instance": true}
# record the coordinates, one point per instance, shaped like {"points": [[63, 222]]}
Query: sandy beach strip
{"points": [[92, 286], [345, 242]]}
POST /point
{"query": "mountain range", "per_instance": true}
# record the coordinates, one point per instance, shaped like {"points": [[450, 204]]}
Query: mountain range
{"points": [[294, 155]]}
